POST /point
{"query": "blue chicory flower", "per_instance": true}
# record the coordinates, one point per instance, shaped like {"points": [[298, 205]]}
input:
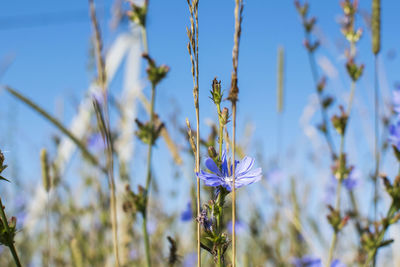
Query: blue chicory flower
{"points": [[394, 135], [243, 173], [187, 214]]}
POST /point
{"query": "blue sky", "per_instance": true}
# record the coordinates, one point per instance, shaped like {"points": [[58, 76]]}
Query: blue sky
{"points": [[50, 65]]}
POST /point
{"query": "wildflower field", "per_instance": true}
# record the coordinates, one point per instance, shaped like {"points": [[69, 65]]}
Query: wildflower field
{"points": [[200, 133]]}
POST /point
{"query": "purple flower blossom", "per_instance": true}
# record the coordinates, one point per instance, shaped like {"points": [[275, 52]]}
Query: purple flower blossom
{"points": [[204, 220], [394, 135], [243, 173], [187, 214]]}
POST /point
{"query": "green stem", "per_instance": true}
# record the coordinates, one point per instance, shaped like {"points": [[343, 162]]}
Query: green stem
{"points": [[148, 179], [10, 242], [331, 249], [219, 218], [146, 241], [324, 115], [338, 197], [377, 153], [219, 254], [372, 255], [220, 133]]}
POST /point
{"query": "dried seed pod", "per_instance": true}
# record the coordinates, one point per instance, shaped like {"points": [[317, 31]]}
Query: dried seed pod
{"points": [[45, 169], [376, 26]]}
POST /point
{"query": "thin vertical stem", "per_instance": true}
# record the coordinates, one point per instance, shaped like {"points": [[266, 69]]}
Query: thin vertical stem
{"points": [[10, 243], [233, 97], [107, 132], [148, 180], [376, 145], [198, 182], [314, 72], [233, 185]]}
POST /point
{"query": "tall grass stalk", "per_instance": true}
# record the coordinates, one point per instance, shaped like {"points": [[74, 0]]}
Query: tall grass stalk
{"points": [[105, 127], [86, 153], [193, 49], [376, 46], [342, 155], [233, 97], [46, 184]]}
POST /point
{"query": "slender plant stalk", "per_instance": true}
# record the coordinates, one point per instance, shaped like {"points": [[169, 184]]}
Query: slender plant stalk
{"points": [[376, 47], [372, 255], [92, 159], [341, 159], [193, 49], [233, 97], [233, 185], [219, 218], [220, 132], [324, 115], [376, 136], [106, 130], [10, 243], [148, 179]]}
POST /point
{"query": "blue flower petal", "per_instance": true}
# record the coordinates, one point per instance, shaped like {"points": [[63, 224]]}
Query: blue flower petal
{"points": [[244, 165], [210, 164]]}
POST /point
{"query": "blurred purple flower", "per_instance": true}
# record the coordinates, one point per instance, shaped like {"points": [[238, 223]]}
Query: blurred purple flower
{"points": [[240, 227], [204, 220], [133, 254], [350, 183], [394, 135], [337, 263], [275, 175], [396, 100], [20, 216], [187, 214], [96, 142], [307, 261], [97, 95], [151, 226], [190, 260], [310, 261], [243, 173], [352, 180]]}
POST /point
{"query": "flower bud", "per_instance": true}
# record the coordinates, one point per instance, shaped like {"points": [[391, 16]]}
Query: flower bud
{"points": [[340, 122], [216, 94], [211, 152], [225, 116]]}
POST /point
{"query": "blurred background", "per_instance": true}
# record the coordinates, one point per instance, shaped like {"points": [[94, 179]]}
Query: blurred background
{"points": [[46, 53]]}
